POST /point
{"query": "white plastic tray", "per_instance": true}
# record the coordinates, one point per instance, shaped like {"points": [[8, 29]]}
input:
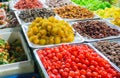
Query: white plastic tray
{"points": [[17, 67], [109, 21], [106, 38], [44, 73], [71, 20], [17, 16], [77, 39], [21, 21]]}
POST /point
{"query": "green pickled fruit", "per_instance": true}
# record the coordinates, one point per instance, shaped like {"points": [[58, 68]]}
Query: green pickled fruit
{"points": [[33, 37], [54, 31], [64, 39], [32, 25], [42, 41], [57, 40], [47, 40], [37, 19], [44, 25], [37, 25], [30, 34], [49, 31], [51, 40], [70, 38], [39, 35], [36, 41], [35, 30], [61, 33], [43, 37], [43, 32], [52, 19], [49, 28]]}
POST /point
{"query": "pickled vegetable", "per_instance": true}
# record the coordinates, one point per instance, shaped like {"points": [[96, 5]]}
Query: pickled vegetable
{"points": [[10, 53]]}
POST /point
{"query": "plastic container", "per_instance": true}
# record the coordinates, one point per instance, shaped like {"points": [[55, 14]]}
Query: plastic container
{"points": [[21, 21], [44, 73], [80, 19], [110, 21], [77, 39], [27, 66]]}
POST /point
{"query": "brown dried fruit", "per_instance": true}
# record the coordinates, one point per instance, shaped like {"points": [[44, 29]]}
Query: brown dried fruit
{"points": [[110, 50], [30, 14], [71, 11], [95, 29]]}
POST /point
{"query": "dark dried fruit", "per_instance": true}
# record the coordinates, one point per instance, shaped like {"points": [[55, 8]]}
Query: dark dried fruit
{"points": [[11, 19], [95, 29], [30, 14], [110, 49]]}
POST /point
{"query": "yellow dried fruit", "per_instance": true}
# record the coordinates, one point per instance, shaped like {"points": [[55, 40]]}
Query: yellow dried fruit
{"points": [[50, 31]]}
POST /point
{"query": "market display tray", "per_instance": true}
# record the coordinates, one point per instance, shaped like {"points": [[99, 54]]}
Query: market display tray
{"points": [[79, 19], [13, 2], [112, 63], [43, 71], [23, 22], [19, 20], [77, 39], [110, 21], [21, 67], [86, 39]]}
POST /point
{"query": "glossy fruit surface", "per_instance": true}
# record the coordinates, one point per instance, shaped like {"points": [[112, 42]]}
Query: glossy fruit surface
{"points": [[75, 61]]}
